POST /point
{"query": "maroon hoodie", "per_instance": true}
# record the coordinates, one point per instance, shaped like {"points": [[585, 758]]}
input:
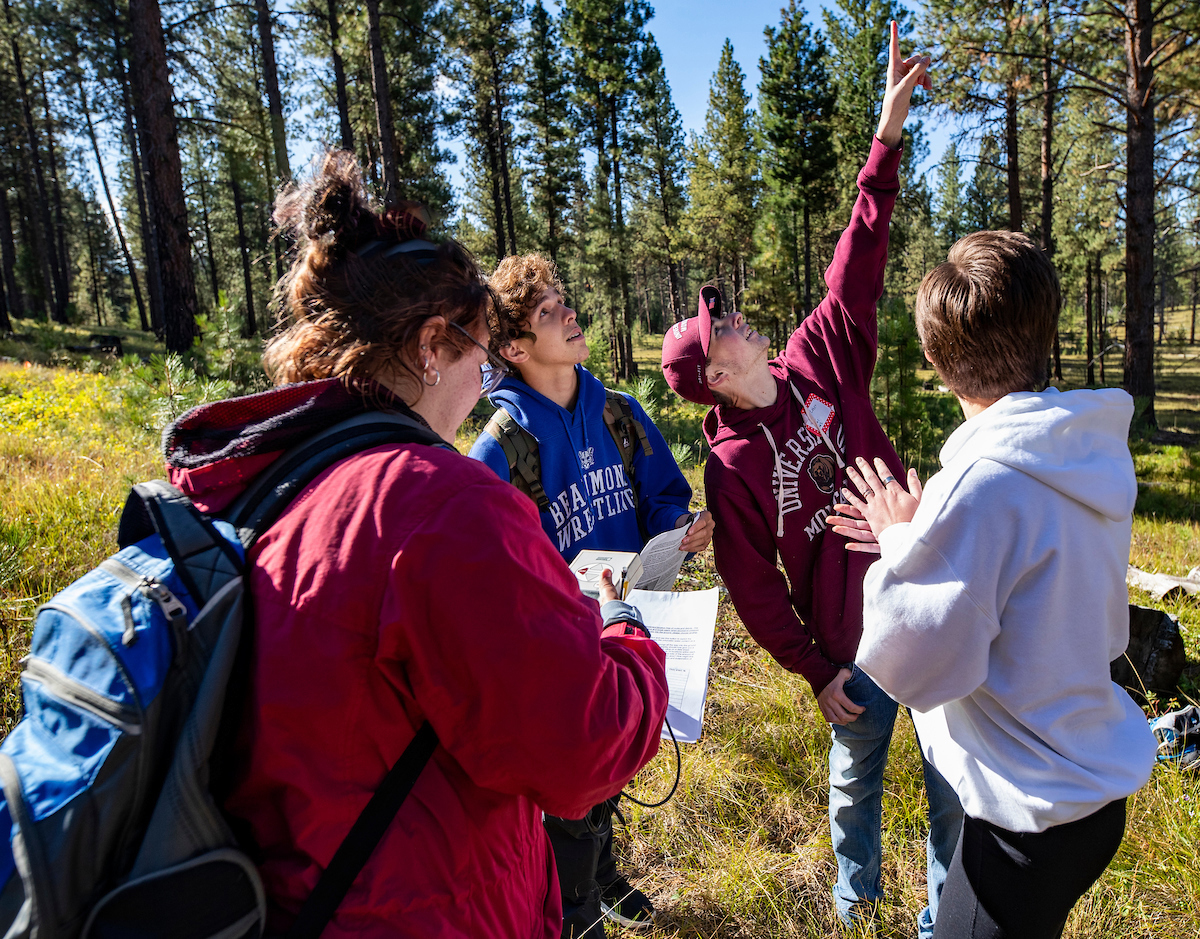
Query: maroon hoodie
{"points": [[774, 472]]}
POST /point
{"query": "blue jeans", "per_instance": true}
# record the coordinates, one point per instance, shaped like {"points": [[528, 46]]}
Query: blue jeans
{"points": [[856, 761]]}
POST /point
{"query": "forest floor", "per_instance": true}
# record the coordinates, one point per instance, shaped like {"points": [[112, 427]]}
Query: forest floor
{"points": [[742, 850]]}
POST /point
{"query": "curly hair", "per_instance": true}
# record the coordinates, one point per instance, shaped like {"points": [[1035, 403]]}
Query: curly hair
{"points": [[355, 317], [520, 282]]}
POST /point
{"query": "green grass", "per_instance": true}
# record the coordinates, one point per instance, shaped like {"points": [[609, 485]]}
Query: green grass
{"points": [[743, 848]]}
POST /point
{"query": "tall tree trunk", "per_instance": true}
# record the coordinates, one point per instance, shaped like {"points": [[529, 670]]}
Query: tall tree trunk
{"points": [[808, 300], [41, 230], [1049, 91], [1087, 308], [1139, 208], [156, 117], [87, 228], [112, 208], [208, 238], [668, 226], [383, 108], [629, 365], [502, 152], [250, 324], [5, 323], [1102, 316], [62, 274], [1192, 340], [266, 42], [137, 168], [8, 258], [339, 78], [1016, 213], [493, 158]]}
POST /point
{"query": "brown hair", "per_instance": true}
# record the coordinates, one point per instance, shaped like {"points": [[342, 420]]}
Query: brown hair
{"points": [[520, 282], [358, 318], [987, 317]]}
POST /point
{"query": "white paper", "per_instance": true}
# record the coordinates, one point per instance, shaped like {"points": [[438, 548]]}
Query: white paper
{"points": [[683, 625], [661, 560]]}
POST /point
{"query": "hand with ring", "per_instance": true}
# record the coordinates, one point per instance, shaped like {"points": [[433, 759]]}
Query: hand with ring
{"points": [[885, 501]]}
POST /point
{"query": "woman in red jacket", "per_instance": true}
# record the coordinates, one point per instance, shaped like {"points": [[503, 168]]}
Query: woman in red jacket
{"points": [[408, 584]]}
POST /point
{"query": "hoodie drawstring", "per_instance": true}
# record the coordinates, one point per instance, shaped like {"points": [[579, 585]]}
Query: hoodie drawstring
{"points": [[820, 429], [778, 476]]}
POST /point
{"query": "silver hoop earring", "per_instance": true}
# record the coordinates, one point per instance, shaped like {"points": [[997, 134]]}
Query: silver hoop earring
{"points": [[425, 378]]}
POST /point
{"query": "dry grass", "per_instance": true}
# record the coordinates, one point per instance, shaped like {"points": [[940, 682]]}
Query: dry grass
{"points": [[743, 849]]}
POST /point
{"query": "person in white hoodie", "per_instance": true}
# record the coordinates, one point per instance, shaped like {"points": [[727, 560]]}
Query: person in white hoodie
{"points": [[999, 598]]}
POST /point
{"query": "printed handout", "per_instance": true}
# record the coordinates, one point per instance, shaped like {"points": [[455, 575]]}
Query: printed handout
{"points": [[683, 624]]}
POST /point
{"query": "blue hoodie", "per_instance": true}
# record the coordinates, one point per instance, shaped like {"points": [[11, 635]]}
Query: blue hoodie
{"points": [[591, 502]]}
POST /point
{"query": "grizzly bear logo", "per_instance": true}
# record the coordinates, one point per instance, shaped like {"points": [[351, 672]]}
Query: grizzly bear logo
{"points": [[822, 470]]}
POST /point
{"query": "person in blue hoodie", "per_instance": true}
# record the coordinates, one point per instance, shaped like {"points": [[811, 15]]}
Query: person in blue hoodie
{"points": [[589, 502]]}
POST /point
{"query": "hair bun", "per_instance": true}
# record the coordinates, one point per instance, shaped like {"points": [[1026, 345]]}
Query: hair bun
{"points": [[332, 206]]}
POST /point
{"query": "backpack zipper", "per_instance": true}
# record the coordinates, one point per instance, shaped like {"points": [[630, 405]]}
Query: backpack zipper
{"points": [[172, 607], [65, 688]]}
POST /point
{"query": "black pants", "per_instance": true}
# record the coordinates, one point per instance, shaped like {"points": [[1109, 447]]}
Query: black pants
{"points": [[583, 858], [1012, 885]]}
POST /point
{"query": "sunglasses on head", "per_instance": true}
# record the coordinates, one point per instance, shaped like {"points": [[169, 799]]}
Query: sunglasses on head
{"points": [[492, 372]]}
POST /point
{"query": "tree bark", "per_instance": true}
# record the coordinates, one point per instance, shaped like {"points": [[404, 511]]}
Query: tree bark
{"points": [[8, 259], [339, 78], [149, 242], [266, 42], [808, 302], [1192, 341], [1087, 308], [250, 324], [1139, 208], [156, 117], [383, 108], [87, 227], [1016, 211], [629, 366], [112, 208], [1049, 92], [493, 158], [502, 151]]}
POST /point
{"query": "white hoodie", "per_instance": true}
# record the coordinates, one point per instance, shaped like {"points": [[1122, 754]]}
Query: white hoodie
{"points": [[995, 612]]}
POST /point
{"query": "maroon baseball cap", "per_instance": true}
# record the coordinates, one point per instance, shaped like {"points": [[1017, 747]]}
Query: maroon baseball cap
{"points": [[685, 349]]}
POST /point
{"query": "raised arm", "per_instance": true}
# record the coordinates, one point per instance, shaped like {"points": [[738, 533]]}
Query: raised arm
{"points": [[843, 330]]}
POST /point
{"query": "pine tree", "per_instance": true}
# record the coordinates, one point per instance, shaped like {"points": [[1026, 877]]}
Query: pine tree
{"points": [[606, 38], [486, 46], [950, 210], [549, 148], [659, 176], [724, 184], [987, 193], [858, 52], [796, 104]]}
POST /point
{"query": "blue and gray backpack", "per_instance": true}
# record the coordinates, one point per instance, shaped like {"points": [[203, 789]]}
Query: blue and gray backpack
{"points": [[108, 779]]}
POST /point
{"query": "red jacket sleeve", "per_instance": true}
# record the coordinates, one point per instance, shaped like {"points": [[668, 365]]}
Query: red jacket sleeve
{"points": [[745, 554], [843, 330], [504, 656]]}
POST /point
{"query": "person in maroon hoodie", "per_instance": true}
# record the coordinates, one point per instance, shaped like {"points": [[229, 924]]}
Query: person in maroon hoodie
{"points": [[406, 584], [781, 433]]}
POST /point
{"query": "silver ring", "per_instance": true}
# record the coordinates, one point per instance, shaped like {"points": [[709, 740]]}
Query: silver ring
{"points": [[890, 479]]}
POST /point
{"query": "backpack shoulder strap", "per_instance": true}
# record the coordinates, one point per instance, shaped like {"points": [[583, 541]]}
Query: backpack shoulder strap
{"points": [[521, 450], [263, 502], [627, 431], [366, 833]]}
